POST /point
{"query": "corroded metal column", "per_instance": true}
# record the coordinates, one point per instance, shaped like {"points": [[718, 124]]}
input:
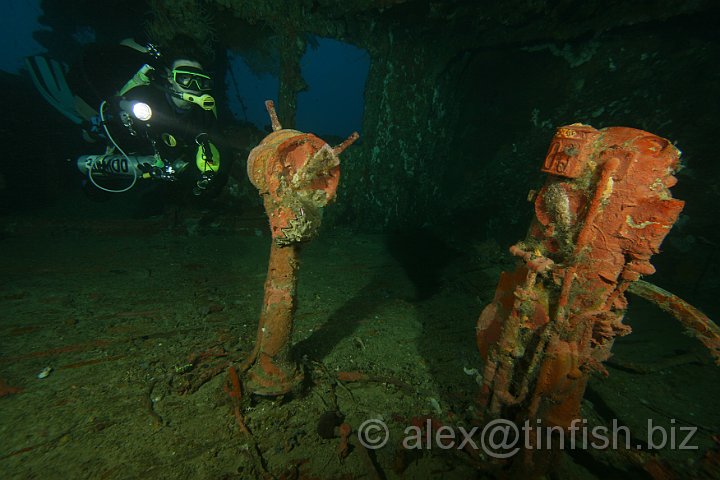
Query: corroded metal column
{"points": [[297, 174]]}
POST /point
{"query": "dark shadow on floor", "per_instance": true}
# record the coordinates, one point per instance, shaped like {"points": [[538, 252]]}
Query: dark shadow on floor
{"points": [[343, 321], [423, 256]]}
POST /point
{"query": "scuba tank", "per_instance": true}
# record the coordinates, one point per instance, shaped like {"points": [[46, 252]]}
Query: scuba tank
{"points": [[111, 165], [132, 167], [116, 165]]}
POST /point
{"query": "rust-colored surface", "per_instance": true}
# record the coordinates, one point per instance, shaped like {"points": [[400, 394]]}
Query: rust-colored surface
{"points": [[273, 373], [602, 213], [297, 175], [569, 151], [6, 389]]}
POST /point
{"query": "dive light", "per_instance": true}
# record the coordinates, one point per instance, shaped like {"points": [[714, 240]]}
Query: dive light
{"points": [[140, 110]]}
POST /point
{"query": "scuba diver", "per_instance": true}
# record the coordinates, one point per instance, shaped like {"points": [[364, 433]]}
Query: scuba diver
{"points": [[154, 115]]}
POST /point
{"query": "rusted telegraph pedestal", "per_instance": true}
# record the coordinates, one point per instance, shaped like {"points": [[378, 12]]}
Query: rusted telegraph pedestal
{"points": [[296, 174]]}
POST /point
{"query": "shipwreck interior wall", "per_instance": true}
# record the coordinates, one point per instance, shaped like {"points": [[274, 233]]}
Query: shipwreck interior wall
{"points": [[456, 104], [460, 100]]}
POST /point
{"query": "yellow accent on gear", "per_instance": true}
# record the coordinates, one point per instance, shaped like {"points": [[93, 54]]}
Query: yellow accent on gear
{"points": [[205, 101], [169, 140]]}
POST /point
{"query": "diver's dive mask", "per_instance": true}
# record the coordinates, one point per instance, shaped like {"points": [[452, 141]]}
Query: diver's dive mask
{"points": [[186, 76], [190, 83]]}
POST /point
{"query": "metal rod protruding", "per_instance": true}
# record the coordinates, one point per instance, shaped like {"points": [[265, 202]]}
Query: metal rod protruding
{"points": [[270, 106], [349, 141]]}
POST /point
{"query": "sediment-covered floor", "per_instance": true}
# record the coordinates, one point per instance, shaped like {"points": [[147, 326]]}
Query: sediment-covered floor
{"points": [[132, 316]]}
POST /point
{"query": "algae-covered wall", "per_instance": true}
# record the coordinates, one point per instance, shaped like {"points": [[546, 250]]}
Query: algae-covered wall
{"points": [[462, 99], [394, 177]]}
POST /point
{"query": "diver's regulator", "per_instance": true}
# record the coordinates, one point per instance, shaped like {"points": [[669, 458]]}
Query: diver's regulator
{"points": [[205, 101]]}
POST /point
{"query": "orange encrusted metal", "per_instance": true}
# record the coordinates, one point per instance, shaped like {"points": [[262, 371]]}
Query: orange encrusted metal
{"points": [[297, 175], [569, 150], [603, 212]]}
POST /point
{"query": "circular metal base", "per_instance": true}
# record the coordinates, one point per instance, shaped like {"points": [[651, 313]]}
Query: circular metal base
{"points": [[271, 379]]}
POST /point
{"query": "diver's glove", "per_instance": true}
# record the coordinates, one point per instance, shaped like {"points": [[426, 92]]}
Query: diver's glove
{"points": [[204, 183]]}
